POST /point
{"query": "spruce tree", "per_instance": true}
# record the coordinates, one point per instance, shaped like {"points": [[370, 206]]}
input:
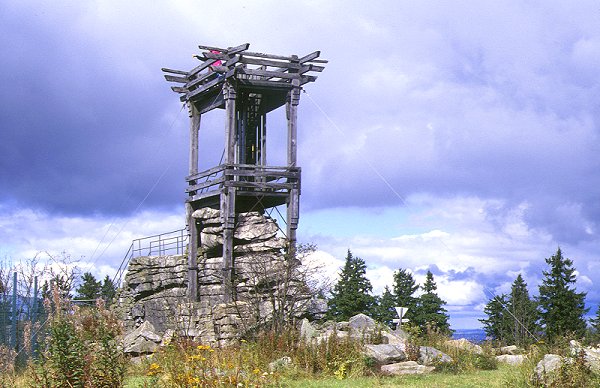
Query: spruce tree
{"points": [[523, 315], [384, 310], [108, 290], [561, 307], [430, 311], [497, 324], [351, 294], [404, 291], [595, 324], [89, 289]]}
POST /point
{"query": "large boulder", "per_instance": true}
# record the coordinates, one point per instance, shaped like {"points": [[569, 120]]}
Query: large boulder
{"points": [[384, 353], [591, 355], [511, 359], [548, 367], [362, 323], [142, 340], [432, 356], [406, 368], [464, 344]]}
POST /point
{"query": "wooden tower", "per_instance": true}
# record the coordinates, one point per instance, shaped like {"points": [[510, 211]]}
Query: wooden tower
{"points": [[247, 85]]}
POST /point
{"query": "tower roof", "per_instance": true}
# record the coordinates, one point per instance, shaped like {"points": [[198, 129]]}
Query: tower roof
{"points": [[271, 75]]}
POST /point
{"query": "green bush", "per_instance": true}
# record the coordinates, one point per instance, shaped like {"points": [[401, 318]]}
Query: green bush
{"points": [[81, 348]]}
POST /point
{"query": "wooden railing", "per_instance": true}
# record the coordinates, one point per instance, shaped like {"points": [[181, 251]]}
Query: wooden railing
{"points": [[245, 177]]}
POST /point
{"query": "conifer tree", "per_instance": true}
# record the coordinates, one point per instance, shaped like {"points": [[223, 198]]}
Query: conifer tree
{"points": [[561, 307], [523, 315], [351, 294], [108, 290], [89, 289], [384, 310], [430, 308], [404, 291], [595, 324], [497, 324]]}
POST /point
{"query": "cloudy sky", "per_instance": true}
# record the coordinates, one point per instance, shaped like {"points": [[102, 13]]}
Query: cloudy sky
{"points": [[459, 137]]}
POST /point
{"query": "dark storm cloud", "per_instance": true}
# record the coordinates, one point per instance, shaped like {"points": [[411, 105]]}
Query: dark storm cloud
{"points": [[80, 134]]}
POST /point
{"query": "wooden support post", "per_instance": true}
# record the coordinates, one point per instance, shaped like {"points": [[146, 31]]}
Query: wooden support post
{"points": [[192, 290], [293, 204], [228, 193]]}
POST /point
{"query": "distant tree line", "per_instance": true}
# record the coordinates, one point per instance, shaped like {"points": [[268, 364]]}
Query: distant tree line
{"points": [[557, 312], [352, 294]]}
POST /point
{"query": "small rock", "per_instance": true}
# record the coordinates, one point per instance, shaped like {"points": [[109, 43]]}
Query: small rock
{"points": [[511, 359], [406, 368], [280, 364], [464, 344], [512, 349]]}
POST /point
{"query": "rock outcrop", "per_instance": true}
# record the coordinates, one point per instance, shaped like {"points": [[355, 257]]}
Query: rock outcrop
{"points": [[155, 287]]}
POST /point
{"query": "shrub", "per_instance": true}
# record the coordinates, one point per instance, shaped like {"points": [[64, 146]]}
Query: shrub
{"points": [[81, 347]]}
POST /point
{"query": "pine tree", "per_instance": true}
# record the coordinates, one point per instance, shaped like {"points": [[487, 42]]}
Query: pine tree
{"points": [[497, 324], [561, 308], [108, 290], [89, 289], [595, 324], [430, 310], [384, 311], [523, 315], [351, 294], [404, 291]]}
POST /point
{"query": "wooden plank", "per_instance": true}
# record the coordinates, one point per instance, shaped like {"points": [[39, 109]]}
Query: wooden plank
{"points": [[266, 84], [208, 85], [269, 74], [219, 69], [173, 78], [205, 173], [180, 72], [238, 49], [204, 185], [203, 88], [201, 67], [269, 56], [192, 289], [202, 47], [207, 106], [259, 185], [267, 62], [309, 57], [199, 79], [307, 68]]}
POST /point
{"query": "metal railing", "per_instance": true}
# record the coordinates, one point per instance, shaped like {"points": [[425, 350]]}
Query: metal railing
{"points": [[170, 243]]}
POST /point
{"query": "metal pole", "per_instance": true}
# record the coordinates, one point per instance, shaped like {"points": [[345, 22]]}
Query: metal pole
{"points": [[34, 316], [13, 337]]}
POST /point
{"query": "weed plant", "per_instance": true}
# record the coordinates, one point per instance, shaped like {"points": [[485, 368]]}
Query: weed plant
{"points": [[81, 348]]}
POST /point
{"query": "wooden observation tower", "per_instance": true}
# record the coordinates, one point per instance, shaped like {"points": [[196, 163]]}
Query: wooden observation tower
{"points": [[247, 85]]}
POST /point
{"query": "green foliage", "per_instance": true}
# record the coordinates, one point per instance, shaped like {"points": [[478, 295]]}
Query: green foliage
{"points": [[497, 323], [512, 319], [108, 291], [351, 294], [404, 290], [81, 348], [383, 311], [89, 289], [561, 308], [430, 310]]}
